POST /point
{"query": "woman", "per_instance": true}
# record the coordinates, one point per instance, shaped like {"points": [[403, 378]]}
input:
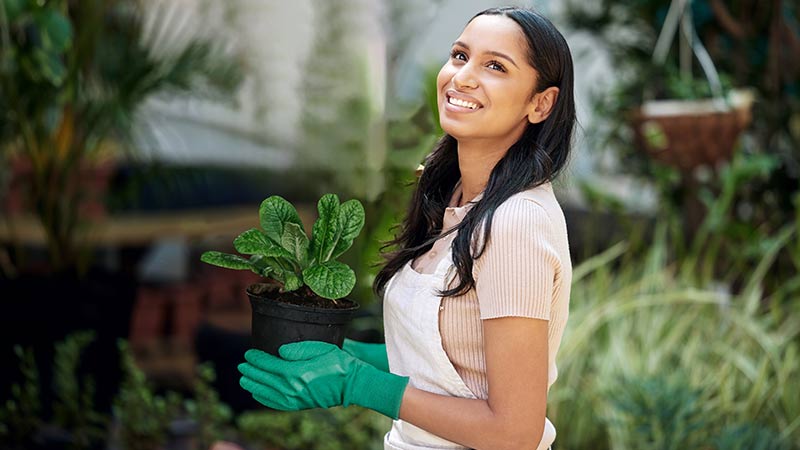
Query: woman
{"points": [[476, 298]]}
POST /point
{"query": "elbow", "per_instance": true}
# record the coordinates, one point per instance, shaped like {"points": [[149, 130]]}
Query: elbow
{"points": [[528, 442], [525, 437]]}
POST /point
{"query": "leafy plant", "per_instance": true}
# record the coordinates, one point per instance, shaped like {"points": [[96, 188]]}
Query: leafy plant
{"points": [[20, 415], [74, 407], [72, 78], [143, 417], [212, 416], [635, 317], [319, 429], [661, 412], [281, 250], [750, 436], [746, 49]]}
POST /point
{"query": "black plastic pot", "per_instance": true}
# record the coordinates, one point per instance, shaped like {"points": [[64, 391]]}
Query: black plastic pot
{"points": [[276, 323]]}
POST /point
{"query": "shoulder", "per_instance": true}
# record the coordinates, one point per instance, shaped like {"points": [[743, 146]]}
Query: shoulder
{"points": [[536, 207]]}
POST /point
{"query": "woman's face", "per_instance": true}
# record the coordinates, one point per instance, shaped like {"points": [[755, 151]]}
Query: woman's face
{"points": [[484, 90]]}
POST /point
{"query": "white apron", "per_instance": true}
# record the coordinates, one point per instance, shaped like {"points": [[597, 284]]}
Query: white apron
{"points": [[414, 348]]}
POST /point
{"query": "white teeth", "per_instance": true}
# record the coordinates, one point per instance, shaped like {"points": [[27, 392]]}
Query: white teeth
{"points": [[463, 103]]}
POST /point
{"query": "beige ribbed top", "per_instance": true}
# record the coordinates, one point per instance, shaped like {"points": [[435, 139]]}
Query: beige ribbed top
{"points": [[524, 271]]}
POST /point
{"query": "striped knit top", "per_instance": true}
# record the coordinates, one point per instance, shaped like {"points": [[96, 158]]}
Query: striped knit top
{"points": [[524, 271]]}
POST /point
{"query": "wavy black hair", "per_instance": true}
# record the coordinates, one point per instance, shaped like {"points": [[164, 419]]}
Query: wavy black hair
{"points": [[536, 158]]}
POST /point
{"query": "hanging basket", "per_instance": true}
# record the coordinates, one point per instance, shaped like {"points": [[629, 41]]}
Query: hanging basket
{"points": [[686, 134]]}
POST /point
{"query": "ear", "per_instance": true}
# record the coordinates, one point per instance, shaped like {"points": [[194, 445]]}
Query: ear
{"points": [[542, 105]]}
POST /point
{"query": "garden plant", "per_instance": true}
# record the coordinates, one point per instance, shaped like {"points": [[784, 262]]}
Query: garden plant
{"points": [[303, 296]]}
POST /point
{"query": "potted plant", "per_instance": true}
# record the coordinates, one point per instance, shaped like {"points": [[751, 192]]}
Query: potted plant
{"points": [[303, 293]]}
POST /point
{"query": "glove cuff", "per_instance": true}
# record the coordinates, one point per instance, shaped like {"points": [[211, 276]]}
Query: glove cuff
{"points": [[374, 354], [376, 390]]}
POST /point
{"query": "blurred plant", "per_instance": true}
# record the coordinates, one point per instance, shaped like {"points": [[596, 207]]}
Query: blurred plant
{"points": [[20, 415], [72, 78], [750, 43], [750, 436], [74, 406], [411, 136], [316, 429], [212, 416], [708, 253], [636, 316], [341, 125], [142, 417], [658, 412]]}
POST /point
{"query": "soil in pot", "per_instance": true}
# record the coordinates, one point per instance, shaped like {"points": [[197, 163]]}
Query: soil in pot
{"points": [[284, 317]]}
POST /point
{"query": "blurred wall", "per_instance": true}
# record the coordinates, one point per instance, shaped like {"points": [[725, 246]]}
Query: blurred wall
{"points": [[272, 123]]}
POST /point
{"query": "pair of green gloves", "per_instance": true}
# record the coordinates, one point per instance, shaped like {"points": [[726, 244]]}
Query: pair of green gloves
{"points": [[314, 374]]}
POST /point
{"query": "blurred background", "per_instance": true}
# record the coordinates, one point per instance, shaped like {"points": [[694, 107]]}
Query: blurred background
{"points": [[137, 134]]}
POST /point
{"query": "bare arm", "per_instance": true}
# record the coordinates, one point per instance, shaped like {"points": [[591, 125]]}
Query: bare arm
{"points": [[513, 416]]}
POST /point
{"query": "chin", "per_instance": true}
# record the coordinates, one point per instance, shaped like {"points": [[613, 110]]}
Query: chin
{"points": [[458, 131], [455, 129]]}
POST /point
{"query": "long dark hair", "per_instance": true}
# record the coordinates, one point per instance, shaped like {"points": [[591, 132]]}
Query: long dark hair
{"points": [[536, 158]]}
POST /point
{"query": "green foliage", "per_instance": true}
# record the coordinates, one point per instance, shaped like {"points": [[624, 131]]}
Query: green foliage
{"points": [[74, 407], [20, 415], [661, 412], [746, 50], [316, 429], [213, 417], [708, 254], [143, 417], [653, 348], [72, 78], [282, 251], [750, 437], [411, 137]]}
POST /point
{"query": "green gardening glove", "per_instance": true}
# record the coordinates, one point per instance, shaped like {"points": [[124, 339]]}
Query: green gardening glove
{"points": [[313, 374], [374, 354]]}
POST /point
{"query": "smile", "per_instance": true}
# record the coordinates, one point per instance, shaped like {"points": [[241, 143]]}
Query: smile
{"points": [[457, 102], [462, 103]]}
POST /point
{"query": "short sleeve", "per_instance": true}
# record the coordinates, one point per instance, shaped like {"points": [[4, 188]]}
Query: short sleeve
{"points": [[515, 275]]}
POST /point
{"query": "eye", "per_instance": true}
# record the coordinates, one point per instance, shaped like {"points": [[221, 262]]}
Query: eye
{"points": [[494, 65], [458, 54]]}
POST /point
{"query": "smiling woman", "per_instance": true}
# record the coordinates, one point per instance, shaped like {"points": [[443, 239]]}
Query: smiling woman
{"points": [[476, 293]]}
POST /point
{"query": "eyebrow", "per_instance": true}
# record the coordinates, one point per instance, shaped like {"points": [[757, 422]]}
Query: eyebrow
{"points": [[491, 52]]}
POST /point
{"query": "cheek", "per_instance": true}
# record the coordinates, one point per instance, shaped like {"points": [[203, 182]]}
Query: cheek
{"points": [[444, 76]]}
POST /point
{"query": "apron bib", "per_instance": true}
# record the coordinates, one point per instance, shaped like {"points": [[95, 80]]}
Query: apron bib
{"points": [[414, 349]]}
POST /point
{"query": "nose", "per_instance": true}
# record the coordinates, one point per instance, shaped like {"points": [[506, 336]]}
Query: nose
{"points": [[465, 78]]}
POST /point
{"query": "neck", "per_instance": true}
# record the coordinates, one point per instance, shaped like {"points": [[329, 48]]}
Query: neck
{"points": [[476, 159]]}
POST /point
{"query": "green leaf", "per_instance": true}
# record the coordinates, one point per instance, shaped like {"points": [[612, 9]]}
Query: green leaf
{"points": [[50, 67], [260, 265], [295, 241], [275, 212], [254, 242], [56, 30], [327, 229], [13, 9], [292, 282], [225, 260], [277, 270], [331, 279], [351, 221]]}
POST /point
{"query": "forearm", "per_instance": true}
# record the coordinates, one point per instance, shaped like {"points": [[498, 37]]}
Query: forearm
{"points": [[469, 422]]}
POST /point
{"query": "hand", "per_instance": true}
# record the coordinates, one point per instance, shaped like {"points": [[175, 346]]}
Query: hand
{"points": [[313, 374], [374, 354]]}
